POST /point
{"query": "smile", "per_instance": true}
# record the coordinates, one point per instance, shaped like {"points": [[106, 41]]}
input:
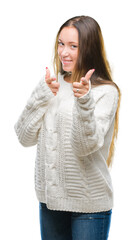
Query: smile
{"points": [[64, 62]]}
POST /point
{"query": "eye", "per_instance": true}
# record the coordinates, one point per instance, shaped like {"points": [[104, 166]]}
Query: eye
{"points": [[74, 46], [60, 43]]}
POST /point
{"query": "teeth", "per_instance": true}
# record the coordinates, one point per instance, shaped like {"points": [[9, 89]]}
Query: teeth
{"points": [[66, 61]]}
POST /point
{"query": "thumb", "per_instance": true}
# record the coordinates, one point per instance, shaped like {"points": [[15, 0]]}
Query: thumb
{"points": [[89, 74], [47, 73]]}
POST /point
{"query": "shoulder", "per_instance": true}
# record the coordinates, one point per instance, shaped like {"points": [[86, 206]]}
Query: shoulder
{"points": [[106, 98], [106, 90]]}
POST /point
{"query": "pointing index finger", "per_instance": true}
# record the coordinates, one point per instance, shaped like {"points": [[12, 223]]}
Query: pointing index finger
{"points": [[47, 73], [89, 74]]}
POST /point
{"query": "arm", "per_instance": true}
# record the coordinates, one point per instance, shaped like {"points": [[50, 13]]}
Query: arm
{"points": [[30, 121], [91, 120]]}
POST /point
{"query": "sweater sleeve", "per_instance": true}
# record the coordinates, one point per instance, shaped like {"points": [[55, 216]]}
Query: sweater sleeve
{"points": [[29, 123], [92, 120]]}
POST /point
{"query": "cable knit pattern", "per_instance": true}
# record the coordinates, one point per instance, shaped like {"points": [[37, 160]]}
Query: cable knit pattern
{"points": [[89, 127], [30, 120], [73, 137]]}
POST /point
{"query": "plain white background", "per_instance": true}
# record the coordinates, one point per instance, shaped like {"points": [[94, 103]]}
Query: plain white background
{"points": [[28, 29]]}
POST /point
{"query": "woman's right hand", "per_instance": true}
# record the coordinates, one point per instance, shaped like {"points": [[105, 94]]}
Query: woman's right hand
{"points": [[51, 82]]}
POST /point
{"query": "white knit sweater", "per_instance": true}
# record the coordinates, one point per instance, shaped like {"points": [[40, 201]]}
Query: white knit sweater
{"points": [[73, 137]]}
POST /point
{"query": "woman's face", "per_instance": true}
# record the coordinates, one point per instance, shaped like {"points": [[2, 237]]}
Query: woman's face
{"points": [[68, 48]]}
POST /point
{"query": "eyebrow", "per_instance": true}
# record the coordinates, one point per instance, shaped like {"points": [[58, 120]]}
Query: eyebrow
{"points": [[69, 42]]}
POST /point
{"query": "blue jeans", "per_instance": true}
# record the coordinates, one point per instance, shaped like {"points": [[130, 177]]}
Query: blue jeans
{"points": [[62, 225]]}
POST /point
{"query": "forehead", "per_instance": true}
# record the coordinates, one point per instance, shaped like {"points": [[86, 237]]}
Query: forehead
{"points": [[69, 34]]}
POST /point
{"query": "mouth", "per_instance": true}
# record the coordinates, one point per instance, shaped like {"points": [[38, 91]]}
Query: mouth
{"points": [[65, 62]]}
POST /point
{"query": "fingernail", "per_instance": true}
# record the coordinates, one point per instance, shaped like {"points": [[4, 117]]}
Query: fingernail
{"points": [[46, 67], [93, 70]]}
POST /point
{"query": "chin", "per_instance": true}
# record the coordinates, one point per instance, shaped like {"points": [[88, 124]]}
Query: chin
{"points": [[67, 69]]}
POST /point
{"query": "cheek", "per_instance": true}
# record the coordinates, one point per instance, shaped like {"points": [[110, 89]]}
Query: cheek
{"points": [[59, 52]]}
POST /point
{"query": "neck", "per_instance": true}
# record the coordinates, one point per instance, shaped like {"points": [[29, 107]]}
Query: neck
{"points": [[67, 77]]}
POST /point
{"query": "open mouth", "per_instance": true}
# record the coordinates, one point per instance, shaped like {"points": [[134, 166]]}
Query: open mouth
{"points": [[64, 62]]}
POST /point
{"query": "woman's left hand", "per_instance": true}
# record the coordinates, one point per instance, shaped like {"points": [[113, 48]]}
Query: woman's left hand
{"points": [[82, 87]]}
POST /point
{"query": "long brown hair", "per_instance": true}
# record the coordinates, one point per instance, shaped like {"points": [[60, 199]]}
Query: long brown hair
{"points": [[91, 55]]}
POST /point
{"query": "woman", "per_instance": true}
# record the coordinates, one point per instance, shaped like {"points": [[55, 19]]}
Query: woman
{"points": [[73, 119]]}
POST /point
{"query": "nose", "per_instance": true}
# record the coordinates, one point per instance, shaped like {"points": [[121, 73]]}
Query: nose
{"points": [[65, 52]]}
